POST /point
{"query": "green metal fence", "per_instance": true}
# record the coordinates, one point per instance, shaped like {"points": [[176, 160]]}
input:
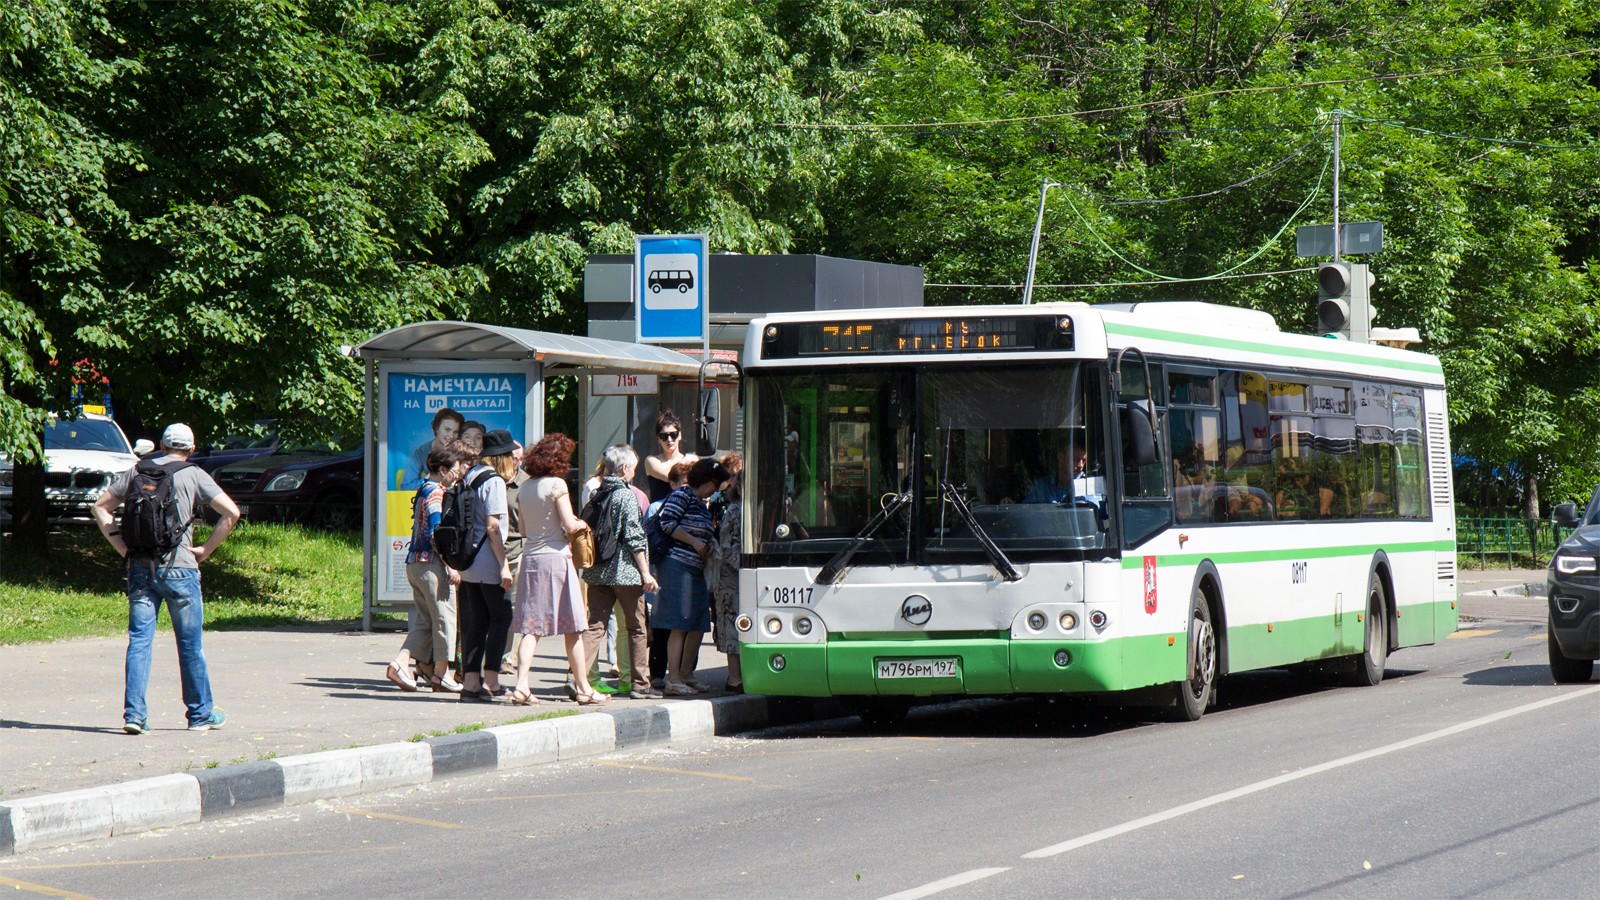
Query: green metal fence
{"points": [[1511, 540]]}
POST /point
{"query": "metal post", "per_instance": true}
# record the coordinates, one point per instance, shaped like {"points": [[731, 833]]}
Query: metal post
{"points": [[1033, 250], [369, 505], [1337, 243]]}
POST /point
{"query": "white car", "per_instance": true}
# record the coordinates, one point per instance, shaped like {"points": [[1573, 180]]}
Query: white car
{"points": [[82, 455]]}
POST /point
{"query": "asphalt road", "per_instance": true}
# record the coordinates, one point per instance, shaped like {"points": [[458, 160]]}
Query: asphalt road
{"points": [[1465, 773]]}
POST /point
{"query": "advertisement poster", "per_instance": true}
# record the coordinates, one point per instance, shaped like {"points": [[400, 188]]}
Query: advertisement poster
{"points": [[410, 403]]}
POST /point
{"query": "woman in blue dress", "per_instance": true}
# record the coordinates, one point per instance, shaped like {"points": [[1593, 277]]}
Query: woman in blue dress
{"points": [[683, 605]]}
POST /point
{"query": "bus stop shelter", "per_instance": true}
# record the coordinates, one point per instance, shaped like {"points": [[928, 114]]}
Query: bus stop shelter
{"points": [[487, 374]]}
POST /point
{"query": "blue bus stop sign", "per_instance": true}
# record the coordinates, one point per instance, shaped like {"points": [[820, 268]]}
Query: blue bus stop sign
{"points": [[671, 289]]}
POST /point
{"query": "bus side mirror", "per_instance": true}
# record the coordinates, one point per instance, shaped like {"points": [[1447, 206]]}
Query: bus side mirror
{"points": [[1138, 438], [706, 433]]}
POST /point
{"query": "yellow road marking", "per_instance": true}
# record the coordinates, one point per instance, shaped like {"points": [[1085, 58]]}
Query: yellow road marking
{"points": [[394, 818], [1536, 637], [39, 889], [1472, 632], [617, 765], [880, 748], [220, 857], [502, 798]]}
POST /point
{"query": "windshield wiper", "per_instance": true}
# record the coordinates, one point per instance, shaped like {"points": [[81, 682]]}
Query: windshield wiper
{"points": [[842, 558], [997, 557]]}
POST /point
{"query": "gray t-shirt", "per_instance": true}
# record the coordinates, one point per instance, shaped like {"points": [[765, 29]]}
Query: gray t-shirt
{"points": [[194, 488], [492, 501]]}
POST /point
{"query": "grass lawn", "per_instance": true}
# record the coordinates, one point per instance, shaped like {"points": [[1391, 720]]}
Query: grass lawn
{"points": [[264, 575]]}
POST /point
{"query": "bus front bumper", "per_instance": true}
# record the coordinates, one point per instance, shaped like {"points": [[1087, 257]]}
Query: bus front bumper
{"points": [[982, 666]]}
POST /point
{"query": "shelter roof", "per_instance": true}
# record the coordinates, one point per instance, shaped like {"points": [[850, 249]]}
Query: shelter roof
{"points": [[473, 341]]}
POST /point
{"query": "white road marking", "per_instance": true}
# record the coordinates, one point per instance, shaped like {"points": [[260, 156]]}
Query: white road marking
{"points": [[1157, 818], [934, 887]]}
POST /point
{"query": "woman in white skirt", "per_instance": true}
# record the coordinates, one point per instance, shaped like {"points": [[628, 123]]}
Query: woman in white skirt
{"points": [[548, 599]]}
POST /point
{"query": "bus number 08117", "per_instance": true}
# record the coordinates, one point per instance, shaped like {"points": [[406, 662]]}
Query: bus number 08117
{"points": [[791, 596]]}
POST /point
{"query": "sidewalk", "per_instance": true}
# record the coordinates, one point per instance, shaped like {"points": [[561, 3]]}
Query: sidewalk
{"points": [[1509, 594], [285, 692]]}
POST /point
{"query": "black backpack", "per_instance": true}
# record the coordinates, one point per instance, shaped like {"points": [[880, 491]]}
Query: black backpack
{"points": [[594, 513], [655, 538], [452, 537], [151, 519]]}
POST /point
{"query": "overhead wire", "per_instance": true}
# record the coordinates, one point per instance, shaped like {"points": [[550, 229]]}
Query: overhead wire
{"points": [[1147, 201], [1265, 246], [1101, 284], [1203, 95]]}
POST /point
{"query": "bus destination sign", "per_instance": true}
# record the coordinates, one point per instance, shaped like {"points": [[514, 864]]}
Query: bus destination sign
{"points": [[898, 337]]}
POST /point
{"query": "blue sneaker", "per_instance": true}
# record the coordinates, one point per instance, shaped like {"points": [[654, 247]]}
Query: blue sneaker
{"points": [[214, 720], [132, 727]]}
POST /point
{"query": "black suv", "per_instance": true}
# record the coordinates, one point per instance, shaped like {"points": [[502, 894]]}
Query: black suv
{"points": [[316, 483], [1574, 583]]}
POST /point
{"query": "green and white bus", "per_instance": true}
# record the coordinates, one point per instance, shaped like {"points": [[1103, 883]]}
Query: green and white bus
{"points": [[1075, 499]]}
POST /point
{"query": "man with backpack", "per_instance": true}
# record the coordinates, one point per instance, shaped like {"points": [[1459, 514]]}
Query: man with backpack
{"points": [[160, 498], [471, 536]]}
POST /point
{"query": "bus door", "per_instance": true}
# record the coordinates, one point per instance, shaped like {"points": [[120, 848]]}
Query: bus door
{"points": [[1141, 448]]}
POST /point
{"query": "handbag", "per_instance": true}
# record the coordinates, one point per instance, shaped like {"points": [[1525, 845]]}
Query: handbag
{"points": [[582, 544]]}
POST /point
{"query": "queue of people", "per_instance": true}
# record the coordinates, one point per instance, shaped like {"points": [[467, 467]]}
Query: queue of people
{"points": [[523, 583]]}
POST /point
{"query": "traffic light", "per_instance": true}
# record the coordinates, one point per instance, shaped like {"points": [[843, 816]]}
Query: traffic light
{"points": [[1344, 306]]}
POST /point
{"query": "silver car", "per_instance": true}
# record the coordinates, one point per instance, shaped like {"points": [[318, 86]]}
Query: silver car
{"points": [[82, 455]]}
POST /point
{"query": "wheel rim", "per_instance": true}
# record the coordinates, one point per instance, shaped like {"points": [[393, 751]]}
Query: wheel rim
{"points": [[1205, 656]]}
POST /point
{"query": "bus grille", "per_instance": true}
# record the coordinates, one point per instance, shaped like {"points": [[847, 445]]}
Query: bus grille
{"points": [[1447, 570]]}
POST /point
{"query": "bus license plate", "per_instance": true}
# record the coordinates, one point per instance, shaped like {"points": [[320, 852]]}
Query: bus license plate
{"points": [[917, 668]]}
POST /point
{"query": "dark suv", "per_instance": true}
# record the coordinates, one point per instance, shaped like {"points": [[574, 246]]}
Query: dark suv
{"points": [[318, 484], [1574, 586]]}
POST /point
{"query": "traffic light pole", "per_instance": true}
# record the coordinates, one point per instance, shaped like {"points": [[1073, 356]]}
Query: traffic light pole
{"points": [[1336, 241]]}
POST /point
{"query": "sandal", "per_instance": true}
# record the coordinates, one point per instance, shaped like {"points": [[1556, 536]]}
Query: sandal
{"points": [[592, 698], [518, 698], [401, 678]]}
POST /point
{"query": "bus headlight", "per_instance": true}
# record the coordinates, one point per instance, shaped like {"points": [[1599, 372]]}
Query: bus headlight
{"points": [[774, 625], [1068, 621], [1063, 658], [1036, 621], [802, 625], [778, 662], [743, 623], [1097, 619]]}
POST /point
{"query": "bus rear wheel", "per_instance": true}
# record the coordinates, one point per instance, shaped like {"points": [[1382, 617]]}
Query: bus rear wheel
{"points": [[1195, 694], [1367, 670]]}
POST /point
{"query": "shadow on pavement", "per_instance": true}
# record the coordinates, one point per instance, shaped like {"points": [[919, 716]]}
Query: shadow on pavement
{"points": [[1510, 676]]}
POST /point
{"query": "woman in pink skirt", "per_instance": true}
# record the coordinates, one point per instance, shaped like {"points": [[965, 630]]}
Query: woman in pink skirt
{"points": [[548, 599]]}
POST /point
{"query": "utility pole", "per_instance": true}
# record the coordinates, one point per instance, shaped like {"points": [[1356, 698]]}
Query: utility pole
{"points": [[1033, 251]]}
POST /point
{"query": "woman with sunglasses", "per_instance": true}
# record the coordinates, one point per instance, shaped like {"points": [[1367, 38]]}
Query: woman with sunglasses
{"points": [[669, 433]]}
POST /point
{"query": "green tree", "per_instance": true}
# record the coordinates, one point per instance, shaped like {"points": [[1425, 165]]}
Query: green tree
{"points": [[54, 203], [286, 190], [1468, 130]]}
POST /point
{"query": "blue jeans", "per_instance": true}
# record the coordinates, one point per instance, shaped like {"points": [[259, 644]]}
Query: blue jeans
{"points": [[180, 589]]}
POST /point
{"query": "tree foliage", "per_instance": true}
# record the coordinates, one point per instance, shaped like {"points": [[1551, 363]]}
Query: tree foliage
{"points": [[208, 198]]}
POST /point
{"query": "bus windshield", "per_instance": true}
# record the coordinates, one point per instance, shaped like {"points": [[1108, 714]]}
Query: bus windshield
{"points": [[834, 447], [1023, 446]]}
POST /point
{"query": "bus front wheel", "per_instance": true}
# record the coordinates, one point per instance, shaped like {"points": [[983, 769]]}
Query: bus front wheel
{"points": [[1369, 664], [1196, 693]]}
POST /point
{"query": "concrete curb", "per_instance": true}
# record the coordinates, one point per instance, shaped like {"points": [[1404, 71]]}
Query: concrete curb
{"points": [[51, 820]]}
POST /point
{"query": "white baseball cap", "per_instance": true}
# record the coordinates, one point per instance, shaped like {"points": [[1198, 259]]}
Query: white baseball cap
{"points": [[178, 436]]}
